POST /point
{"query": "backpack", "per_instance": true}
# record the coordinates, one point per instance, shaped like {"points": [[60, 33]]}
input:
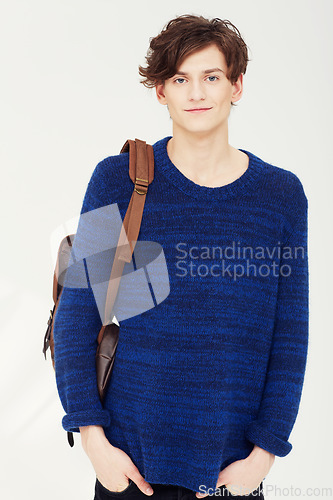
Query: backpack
{"points": [[141, 172]]}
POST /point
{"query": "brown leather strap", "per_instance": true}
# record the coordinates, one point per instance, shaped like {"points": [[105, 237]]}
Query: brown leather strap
{"points": [[64, 248], [141, 172]]}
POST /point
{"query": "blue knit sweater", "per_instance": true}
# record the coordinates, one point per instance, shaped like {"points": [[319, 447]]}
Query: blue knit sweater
{"points": [[218, 365]]}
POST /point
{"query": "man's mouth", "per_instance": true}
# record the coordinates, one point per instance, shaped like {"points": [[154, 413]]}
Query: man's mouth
{"points": [[197, 110]]}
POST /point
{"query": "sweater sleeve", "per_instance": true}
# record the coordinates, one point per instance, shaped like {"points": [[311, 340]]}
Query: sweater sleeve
{"points": [[286, 368], [76, 326]]}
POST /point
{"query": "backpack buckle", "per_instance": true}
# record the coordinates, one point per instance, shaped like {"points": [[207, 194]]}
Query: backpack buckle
{"points": [[142, 184]]}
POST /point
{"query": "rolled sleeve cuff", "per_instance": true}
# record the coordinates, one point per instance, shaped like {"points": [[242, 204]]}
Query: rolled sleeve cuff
{"points": [[258, 435], [72, 421]]}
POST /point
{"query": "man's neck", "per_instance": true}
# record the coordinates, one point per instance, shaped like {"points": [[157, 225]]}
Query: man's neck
{"points": [[207, 160]]}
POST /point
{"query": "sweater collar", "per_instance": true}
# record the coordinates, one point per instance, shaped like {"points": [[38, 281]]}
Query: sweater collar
{"points": [[238, 187]]}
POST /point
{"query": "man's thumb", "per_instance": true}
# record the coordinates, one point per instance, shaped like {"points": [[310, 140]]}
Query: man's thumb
{"points": [[223, 479], [142, 484]]}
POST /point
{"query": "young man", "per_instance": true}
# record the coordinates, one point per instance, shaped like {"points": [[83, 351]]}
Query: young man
{"points": [[206, 385]]}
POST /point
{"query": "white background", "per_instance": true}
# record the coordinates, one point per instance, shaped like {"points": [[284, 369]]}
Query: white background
{"points": [[70, 96]]}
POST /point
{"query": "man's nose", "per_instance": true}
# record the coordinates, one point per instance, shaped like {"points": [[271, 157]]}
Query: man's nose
{"points": [[196, 91]]}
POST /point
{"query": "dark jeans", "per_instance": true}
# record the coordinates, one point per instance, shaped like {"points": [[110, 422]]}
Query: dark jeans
{"points": [[168, 492]]}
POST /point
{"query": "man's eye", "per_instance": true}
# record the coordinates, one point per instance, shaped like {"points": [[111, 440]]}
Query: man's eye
{"points": [[179, 79], [213, 77]]}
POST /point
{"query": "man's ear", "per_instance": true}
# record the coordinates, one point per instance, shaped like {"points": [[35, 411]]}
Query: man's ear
{"points": [[160, 93], [237, 90]]}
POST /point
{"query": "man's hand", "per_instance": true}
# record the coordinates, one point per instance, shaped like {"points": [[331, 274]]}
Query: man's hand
{"points": [[244, 476], [113, 466]]}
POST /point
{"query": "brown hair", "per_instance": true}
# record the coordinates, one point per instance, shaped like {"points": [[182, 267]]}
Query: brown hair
{"points": [[187, 34]]}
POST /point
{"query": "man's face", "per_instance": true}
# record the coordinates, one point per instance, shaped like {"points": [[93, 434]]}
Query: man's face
{"points": [[193, 87]]}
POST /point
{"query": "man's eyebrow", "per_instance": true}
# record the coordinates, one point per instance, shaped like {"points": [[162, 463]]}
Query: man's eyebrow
{"points": [[204, 72]]}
